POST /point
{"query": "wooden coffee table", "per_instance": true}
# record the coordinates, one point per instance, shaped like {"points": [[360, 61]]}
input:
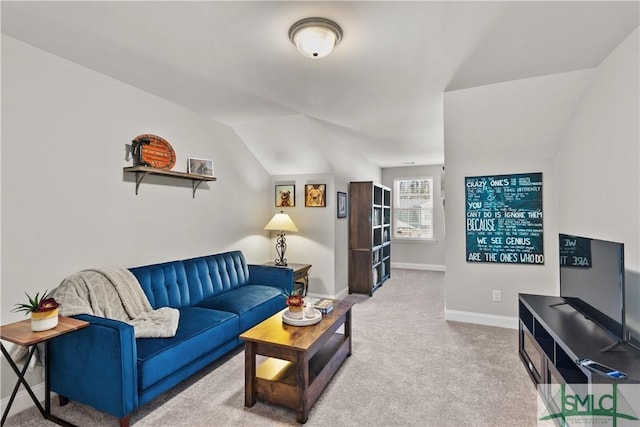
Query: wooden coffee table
{"points": [[301, 359]]}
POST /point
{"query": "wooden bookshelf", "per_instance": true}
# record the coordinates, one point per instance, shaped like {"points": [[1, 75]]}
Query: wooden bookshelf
{"points": [[369, 236]]}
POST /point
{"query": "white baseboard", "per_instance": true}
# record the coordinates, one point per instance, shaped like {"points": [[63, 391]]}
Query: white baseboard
{"points": [[412, 266], [23, 400], [340, 295], [481, 319], [343, 293]]}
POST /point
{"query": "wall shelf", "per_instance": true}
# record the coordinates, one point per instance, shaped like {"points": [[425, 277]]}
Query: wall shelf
{"points": [[142, 171]]}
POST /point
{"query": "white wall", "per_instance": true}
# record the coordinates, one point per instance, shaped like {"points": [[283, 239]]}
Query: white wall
{"points": [[580, 129], [305, 145], [66, 205], [322, 239], [598, 167], [341, 240], [313, 243], [512, 127], [420, 255]]}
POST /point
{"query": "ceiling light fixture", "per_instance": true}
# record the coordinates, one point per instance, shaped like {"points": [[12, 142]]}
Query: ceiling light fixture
{"points": [[315, 37]]}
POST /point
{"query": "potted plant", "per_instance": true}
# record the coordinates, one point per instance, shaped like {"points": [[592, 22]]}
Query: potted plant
{"points": [[295, 303], [43, 309]]}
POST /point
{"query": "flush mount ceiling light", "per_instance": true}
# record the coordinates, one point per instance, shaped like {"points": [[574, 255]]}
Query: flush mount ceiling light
{"points": [[315, 37]]}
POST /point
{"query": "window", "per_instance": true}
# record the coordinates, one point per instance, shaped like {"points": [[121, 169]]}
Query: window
{"points": [[413, 208]]}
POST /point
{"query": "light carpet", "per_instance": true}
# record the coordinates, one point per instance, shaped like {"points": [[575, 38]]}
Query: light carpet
{"points": [[409, 367]]}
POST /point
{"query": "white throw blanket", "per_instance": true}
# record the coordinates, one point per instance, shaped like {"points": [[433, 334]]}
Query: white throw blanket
{"points": [[115, 293]]}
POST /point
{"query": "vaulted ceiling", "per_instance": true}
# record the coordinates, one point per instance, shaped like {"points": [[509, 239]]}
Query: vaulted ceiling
{"points": [[379, 95]]}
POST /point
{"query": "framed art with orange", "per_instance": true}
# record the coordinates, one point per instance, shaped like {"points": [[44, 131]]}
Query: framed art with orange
{"points": [[315, 195]]}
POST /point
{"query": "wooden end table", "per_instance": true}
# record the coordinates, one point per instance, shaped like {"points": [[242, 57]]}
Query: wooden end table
{"points": [[302, 359], [20, 333], [300, 274]]}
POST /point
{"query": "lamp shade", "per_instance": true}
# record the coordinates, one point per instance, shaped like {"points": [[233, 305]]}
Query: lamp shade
{"points": [[281, 222], [315, 37]]}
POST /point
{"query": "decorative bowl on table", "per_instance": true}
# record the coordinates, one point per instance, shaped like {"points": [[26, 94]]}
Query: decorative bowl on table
{"points": [[306, 320]]}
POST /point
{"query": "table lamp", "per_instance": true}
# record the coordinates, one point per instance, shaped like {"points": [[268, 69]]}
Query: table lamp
{"points": [[281, 222]]}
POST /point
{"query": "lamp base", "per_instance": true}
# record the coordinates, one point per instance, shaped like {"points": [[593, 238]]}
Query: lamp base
{"points": [[281, 247]]}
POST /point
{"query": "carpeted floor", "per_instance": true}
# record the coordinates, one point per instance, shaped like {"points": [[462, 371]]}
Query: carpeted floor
{"points": [[409, 368]]}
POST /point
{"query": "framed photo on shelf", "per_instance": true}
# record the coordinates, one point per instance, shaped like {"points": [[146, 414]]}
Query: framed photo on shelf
{"points": [[200, 166], [314, 195], [285, 195], [342, 204]]}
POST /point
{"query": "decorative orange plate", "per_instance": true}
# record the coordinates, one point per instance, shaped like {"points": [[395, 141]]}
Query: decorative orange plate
{"points": [[154, 151]]}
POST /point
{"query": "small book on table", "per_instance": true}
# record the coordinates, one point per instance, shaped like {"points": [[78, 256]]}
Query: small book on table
{"points": [[324, 306]]}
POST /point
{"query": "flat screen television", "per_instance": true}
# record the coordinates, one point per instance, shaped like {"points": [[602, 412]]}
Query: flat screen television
{"points": [[592, 281]]}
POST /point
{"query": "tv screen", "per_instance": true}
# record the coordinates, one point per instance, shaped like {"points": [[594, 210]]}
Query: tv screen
{"points": [[592, 280]]}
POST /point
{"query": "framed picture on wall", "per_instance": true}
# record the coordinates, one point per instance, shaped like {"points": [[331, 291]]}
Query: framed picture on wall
{"points": [[200, 166], [500, 227], [285, 195], [314, 195], [342, 204]]}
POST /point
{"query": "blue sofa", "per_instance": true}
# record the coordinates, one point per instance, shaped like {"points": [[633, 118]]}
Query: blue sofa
{"points": [[219, 297]]}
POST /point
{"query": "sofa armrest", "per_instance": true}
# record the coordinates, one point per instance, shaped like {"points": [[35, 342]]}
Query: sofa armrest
{"points": [[278, 277], [97, 365]]}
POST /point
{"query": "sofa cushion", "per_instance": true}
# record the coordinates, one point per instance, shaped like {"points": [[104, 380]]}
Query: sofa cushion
{"points": [[164, 284], [215, 274], [200, 331], [252, 303]]}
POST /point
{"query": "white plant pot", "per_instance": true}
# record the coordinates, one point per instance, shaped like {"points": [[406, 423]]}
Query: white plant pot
{"points": [[45, 320], [297, 314]]}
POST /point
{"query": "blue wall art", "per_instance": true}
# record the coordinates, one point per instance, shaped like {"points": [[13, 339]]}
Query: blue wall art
{"points": [[504, 218]]}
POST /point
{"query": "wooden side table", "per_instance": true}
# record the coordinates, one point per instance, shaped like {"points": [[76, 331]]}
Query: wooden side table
{"points": [[20, 333], [300, 274]]}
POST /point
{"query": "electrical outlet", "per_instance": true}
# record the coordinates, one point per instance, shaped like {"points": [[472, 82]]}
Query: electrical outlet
{"points": [[497, 296]]}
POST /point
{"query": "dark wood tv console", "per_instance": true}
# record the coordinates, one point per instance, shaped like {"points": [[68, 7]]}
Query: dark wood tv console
{"points": [[554, 335]]}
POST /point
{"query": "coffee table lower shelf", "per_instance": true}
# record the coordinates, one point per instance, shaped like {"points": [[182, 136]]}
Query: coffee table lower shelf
{"points": [[276, 378]]}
